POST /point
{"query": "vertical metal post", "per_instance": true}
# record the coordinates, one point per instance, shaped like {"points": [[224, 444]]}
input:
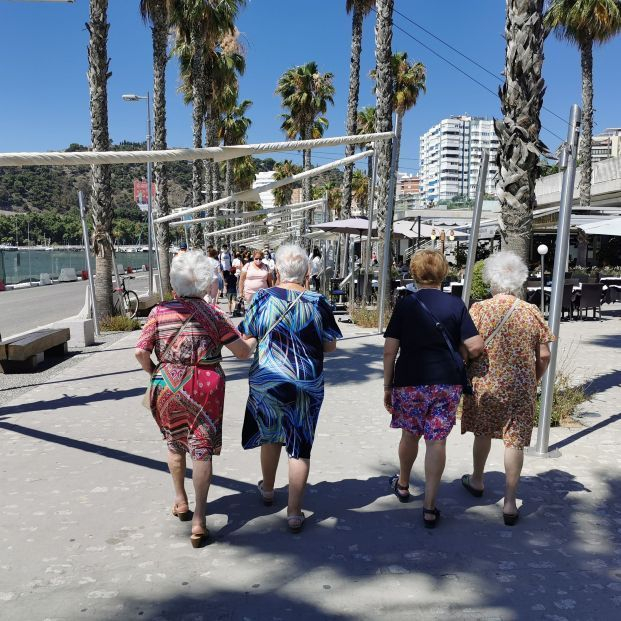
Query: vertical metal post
{"points": [[384, 281], [149, 200], [91, 282], [370, 214], [568, 163], [474, 228], [542, 301], [324, 246], [418, 238]]}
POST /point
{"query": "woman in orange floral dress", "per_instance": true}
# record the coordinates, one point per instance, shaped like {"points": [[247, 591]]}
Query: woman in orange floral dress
{"points": [[505, 376]]}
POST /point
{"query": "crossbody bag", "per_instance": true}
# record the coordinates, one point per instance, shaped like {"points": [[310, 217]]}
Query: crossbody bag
{"points": [[504, 320], [146, 399], [460, 366]]}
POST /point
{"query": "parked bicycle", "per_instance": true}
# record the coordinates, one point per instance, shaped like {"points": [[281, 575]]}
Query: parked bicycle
{"points": [[125, 301]]}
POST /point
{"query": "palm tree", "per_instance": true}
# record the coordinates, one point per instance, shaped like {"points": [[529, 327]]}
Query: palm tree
{"points": [[359, 9], [335, 197], [585, 22], [101, 191], [409, 81], [282, 170], [306, 93], [521, 99], [365, 124], [155, 12], [360, 190], [244, 175], [384, 89]]}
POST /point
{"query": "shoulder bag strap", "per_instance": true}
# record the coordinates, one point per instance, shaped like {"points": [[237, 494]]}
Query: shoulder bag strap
{"points": [[174, 338], [291, 305], [504, 320]]}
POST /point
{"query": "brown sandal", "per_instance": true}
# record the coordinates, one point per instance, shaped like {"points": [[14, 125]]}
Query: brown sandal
{"points": [[185, 515]]}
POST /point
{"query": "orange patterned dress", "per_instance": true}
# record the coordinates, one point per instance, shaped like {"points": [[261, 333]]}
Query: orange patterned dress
{"points": [[503, 377]]}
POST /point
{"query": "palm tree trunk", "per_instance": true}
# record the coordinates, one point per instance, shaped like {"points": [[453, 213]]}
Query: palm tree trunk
{"points": [[398, 131], [101, 191], [521, 99], [352, 104], [584, 151], [162, 208], [228, 187], [383, 111], [306, 165], [198, 114]]}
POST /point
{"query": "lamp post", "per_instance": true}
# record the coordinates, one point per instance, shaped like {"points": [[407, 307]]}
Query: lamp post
{"points": [[150, 235], [542, 250], [433, 238], [442, 240]]}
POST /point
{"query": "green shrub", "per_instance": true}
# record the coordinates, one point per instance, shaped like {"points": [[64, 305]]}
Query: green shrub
{"points": [[479, 290], [565, 399], [119, 323], [368, 317]]}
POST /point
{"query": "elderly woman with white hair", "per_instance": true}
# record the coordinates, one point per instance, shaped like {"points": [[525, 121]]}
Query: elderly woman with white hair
{"points": [[505, 377], [294, 327], [187, 383]]}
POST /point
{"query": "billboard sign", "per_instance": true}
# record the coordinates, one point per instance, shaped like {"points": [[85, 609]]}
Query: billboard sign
{"points": [[141, 195]]}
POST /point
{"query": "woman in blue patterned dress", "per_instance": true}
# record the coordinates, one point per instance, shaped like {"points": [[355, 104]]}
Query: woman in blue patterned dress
{"points": [[294, 328]]}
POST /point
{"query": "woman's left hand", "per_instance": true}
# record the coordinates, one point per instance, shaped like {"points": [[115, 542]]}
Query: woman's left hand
{"points": [[388, 399]]}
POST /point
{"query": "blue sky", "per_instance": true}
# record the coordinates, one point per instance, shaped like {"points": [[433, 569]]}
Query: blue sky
{"points": [[44, 101]]}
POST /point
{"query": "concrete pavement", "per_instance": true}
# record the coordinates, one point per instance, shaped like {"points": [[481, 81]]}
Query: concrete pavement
{"points": [[86, 531]]}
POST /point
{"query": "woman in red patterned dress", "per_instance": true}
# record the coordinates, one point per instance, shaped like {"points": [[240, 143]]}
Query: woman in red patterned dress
{"points": [[187, 384]]}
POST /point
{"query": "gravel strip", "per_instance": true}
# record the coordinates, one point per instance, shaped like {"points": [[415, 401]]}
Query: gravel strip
{"points": [[13, 384]]}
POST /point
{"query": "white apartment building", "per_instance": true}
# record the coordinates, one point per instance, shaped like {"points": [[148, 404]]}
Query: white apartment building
{"points": [[607, 144], [267, 198], [450, 157]]}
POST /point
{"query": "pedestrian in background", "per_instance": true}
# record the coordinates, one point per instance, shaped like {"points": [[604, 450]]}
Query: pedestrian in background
{"points": [[254, 277], [294, 328], [504, 378], [431, 331], [187, 383], [212, 293]]}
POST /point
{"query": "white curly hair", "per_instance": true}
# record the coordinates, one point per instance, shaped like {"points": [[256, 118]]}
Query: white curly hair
{"points": [[292, 263], [505, 272], [191, 274]]}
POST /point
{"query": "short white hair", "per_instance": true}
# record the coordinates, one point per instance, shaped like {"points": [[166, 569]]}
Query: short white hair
{"points": [[292, 263], [191, 274], [505, 272]]}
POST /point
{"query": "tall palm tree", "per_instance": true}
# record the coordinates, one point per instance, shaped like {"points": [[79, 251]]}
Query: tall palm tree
{"points": [[244, 175], [384, 89], [521, 98], [365, 124], [101, 190], [305, 93], [585, 22], [409, 81], [155, 12], [360, 190], [359, 9]]}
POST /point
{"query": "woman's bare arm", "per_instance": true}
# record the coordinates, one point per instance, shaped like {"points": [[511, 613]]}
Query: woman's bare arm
{"points": [[242, 348], [542, 356], [144, 358]]}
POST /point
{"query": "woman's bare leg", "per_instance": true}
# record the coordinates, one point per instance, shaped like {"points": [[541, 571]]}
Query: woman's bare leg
{"points": [[298, 475], [480, 452], [514, 460], [435, 460], [270, 456], [201, 478], [408, 450], [176, 465]]}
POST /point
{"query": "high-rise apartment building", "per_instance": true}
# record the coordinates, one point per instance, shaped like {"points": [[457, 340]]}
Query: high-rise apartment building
{"points": [[607, 144], [450, 157]]}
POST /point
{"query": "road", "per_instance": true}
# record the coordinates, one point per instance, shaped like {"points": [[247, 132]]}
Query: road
{"points": [[25, 309]]}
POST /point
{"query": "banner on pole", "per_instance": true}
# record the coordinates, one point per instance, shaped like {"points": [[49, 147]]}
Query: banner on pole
{"points": [[141, 193]]}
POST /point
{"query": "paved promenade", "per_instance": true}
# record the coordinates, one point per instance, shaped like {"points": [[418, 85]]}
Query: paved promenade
{"points": [[86, 531]]}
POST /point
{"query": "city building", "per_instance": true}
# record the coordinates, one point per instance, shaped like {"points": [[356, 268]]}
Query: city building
{"points": [[267, 198], [607, 144], [450, 157], [407, 184]]}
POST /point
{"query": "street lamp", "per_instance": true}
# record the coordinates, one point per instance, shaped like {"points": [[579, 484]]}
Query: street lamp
{"points": [[433, 237], [542, 250], [147, 98]]}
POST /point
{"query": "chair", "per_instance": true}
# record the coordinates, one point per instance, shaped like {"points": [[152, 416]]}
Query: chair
{"points": [[567, 303], [591, 297]]}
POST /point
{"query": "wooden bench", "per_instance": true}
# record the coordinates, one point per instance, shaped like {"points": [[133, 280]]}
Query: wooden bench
{"points": [[29, 350]]}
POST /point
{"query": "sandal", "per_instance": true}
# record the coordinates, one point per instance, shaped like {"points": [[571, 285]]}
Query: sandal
{"points": [[268, 497], [397, 489], [465, 481], [184, 515], [198, 540], [431, 523], [295, 522], [510, 519]]}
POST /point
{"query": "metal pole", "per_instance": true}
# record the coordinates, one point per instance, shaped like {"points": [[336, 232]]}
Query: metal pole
{"points": [[542, 301], [568, 162], [384, 283], [149, 200], [324, 247], [474, 228], [91, 282], [370, 213], [418, 238]]}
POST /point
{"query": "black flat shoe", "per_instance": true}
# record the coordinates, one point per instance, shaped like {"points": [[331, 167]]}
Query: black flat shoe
{"points": [[431, 523], [511, 519], [397, 489], [465, 481]]}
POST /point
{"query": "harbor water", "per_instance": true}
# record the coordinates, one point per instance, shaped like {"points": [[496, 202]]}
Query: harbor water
{"points": [[25, 265]]}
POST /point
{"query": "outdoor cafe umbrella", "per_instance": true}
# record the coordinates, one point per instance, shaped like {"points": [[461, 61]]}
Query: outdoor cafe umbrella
{"points": [[603, 227]]}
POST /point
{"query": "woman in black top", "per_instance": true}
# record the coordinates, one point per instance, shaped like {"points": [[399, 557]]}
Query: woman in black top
{"points": [[422, 390]]}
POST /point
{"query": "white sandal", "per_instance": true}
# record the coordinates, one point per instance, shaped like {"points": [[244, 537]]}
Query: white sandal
{"points": [[268, 497], [295, 522]]}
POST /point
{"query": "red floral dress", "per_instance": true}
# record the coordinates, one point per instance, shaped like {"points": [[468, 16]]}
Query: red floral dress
{"points": [[187, 389], [503, 377]]}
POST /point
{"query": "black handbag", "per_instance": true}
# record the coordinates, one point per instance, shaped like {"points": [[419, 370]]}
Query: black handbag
{"points": [[460, 365]]}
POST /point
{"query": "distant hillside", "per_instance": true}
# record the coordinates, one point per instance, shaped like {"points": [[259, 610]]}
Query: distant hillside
{"points": [[55, 188]]}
